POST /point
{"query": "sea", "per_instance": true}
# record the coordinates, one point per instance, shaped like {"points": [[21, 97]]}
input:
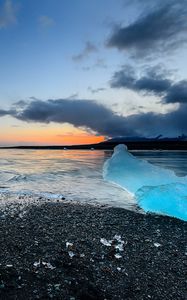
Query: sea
{"points": [[72, 175]]}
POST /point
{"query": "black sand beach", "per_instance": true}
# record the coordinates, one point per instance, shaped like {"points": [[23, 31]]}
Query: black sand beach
{"points": [[55, 251]]}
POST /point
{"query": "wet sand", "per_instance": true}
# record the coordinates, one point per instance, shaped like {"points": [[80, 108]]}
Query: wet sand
{"points": [[70, 251]]}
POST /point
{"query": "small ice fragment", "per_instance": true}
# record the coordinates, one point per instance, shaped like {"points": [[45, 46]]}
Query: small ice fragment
{"points": [[71, 254], [36, 264], [117, 237], [157, 245], [9, 266], [105, 242], [120, 246], [49, 266], [119, 269], [69, 244], [82, 255], [117, 256], [57, 286]]}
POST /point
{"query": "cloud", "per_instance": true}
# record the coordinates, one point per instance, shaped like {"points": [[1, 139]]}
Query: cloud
{"points": [[152, 81], [95, 91], [16, 126], [46, 21], [100, 63], [160, 30], [8, 13], [88, 49], [10, 112], [4, 112], [20, 104], [96, 117], [149, 124], [177, 93], [125, 78], [80, 113], [73, 96]]}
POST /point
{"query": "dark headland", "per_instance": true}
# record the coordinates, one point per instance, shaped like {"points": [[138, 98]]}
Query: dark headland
{"points": [[134, 144]]}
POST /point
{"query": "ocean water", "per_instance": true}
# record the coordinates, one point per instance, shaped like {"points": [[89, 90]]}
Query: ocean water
{"points": [[73, 174]]}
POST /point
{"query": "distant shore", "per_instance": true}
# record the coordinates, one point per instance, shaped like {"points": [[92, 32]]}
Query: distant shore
{"points": [[71, 251], [132, 145]]}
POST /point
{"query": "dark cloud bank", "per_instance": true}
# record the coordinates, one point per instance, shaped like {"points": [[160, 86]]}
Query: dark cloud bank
{"points": [[97, 117], [152, 81], [94, 116], [161, 29]]}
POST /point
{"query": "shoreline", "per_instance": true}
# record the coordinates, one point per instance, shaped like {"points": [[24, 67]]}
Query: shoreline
{"points": [[55, 251], [157, 145]]}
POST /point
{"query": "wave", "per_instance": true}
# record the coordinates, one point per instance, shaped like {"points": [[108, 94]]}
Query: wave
{"points": [[17, 178]]}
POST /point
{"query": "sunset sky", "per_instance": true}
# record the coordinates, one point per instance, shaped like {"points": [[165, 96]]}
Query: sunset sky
{"points": [[81, 71]]}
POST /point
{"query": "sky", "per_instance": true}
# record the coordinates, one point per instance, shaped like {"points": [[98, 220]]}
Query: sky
{"points": [[81, 71]]}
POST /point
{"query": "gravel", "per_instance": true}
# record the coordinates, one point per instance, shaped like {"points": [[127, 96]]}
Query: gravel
{"points": [[72, 251]]}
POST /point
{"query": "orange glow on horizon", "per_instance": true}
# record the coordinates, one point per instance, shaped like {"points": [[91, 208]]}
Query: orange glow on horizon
{"points": [[52, 134], [37, 138]]}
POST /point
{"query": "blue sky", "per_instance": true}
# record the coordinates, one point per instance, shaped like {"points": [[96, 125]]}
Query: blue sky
{"points": [[100, 51], [37, 49]]}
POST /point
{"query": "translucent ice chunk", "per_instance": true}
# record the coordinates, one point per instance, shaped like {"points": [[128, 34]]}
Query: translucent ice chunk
{"points": [[170, 199], [132, 173], [156, 189], [106, 242]]}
